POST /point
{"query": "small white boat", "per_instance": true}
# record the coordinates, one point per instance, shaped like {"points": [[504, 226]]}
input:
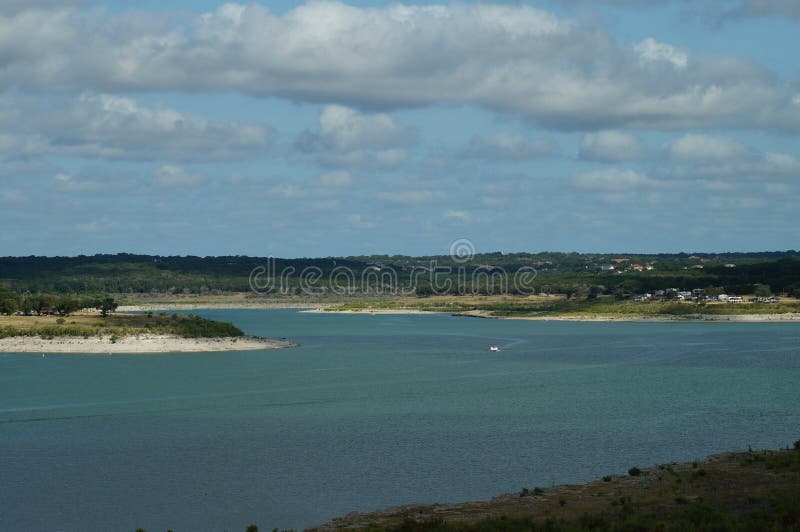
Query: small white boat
{"points": [[494, 348]]}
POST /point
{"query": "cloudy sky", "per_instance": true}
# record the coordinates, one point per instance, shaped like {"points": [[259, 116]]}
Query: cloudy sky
{"points": [[323, 128]]}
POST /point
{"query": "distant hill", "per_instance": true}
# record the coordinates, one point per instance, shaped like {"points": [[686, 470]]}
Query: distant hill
{"points": [[556, 271]]}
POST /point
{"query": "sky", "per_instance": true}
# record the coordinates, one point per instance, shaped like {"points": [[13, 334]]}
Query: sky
{"points": [[311, 129]]}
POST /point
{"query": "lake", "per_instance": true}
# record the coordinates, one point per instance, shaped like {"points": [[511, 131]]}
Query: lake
{"points": [[374, 411]]}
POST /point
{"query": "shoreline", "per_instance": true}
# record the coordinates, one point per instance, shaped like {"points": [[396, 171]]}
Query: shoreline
{"points": [[729, 481], [662, 318], [148, 307], [136, 344], [325, 308]]}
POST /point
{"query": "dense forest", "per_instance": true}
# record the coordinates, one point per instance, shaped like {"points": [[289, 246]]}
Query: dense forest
{"points": [[570, 273]]}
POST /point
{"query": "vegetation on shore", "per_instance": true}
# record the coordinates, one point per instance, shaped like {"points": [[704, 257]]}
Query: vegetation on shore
{"points": [[558, 306], [115, 326], [753, 490], [572, 274]]}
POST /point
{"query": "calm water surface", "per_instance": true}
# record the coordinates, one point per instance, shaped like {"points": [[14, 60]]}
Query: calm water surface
{"points": [[374, 411]]}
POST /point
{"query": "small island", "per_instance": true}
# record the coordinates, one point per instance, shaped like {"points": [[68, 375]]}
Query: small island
{"points": [[96, 329]]}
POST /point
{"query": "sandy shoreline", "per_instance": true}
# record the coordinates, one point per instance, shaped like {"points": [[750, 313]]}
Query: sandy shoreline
{"points": [[141, 344], [687, 318], [147, 307], [324, 310], [694, 318]]}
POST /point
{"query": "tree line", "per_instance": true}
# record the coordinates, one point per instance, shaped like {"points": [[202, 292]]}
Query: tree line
{"points": [[48, 304]]}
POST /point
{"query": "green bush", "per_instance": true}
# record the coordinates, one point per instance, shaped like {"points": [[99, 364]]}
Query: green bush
{"points": [[634, 471]]}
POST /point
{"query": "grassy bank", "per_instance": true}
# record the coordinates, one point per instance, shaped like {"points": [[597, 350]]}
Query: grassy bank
{"points": [[88, 325], [752, 490], [558, 306]]}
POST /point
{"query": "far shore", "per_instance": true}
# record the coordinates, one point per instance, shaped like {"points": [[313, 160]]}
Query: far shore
{"points": [[329, 310], [312, 307], [233, 305], [695, 318], [136, 344], [664, 318]]}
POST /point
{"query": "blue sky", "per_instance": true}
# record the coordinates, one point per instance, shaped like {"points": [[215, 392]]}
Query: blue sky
{"points": [[327, 128]]}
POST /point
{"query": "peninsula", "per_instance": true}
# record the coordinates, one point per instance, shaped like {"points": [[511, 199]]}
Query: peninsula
{"points": [[90, 332]]}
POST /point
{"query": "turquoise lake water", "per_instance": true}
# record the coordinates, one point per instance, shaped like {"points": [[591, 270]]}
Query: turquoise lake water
{"points": [[374, 411]]}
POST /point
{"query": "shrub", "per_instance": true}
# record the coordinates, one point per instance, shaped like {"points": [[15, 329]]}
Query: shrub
{"points": [[607, 478], [634, 471], [797, 445], [61, 321]]}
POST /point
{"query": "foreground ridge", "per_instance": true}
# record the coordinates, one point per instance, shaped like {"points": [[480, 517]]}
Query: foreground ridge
{"points": [[750, 490]]}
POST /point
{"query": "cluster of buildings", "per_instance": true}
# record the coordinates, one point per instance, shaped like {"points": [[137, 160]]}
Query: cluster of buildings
{"points": [[697, 295], [620, 266]]}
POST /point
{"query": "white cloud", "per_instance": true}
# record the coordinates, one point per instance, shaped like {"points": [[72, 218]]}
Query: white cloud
{"points": [[694, 147], [508, 147], [113, 127], [336, 178], [177, 177], [357, 221], [520, 60], [408, 197], [347, 138], [612, 180], [611, 146], [651, 51], [457, 216]]}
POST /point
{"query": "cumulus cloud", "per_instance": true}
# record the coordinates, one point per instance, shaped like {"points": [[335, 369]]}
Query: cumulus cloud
{"points": [[348, 138], [761, 166], [651, 51], [508, 147], [611, 146], [336, 178], [460, 216], [408, 197], [694, 147], [113, 127], [518, 59], [612, 180], [172, 176]]}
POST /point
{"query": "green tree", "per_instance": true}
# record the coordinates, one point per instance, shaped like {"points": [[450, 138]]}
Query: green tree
{"points": [[763, 290], [714, 291], [67, 305], [9, 306], [43, 304], [106, 305]]}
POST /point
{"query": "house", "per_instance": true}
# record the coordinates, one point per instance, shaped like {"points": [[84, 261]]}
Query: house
{"points": [[637, 267], [723, 297], [735, 299], [730, 265], [607, 268], [698, 266], [648, 267]]}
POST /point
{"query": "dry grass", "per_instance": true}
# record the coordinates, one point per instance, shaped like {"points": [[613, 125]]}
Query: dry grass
{"points": [[733, 483], [88, 319]]}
